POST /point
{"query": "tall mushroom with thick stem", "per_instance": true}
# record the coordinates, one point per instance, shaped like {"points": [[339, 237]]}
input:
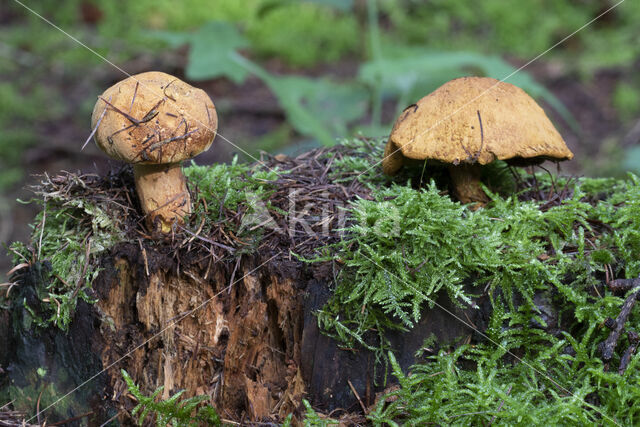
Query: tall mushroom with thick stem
{"points": [[155, 121], [469, 122]]}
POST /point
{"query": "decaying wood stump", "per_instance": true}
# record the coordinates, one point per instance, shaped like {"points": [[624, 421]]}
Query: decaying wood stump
{"points": [[238, 327], [244, 334], [236, 339]]}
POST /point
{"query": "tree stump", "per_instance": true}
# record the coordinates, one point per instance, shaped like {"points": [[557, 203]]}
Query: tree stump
{"points": [[243, 332], [239, 327]]}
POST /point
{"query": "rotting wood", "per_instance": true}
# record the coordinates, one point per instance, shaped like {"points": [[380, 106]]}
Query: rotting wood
{"points": [[256, 348]]}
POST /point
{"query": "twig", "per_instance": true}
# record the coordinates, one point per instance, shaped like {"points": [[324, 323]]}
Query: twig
{"points": [[477, 155], [68, 420], [229, 248], [355, 393], [623, 285], [44, 218], [109, 420], [535, 181], [95, 128], [133, 98], [9, 286], [164, 91], [608, 347], [144, 257], [38, 405], [208, 114], [634, 339], [143, 153], [233, 274], [610, 323], [16, 268], [552, 191], [500, 406], [149, 116]]}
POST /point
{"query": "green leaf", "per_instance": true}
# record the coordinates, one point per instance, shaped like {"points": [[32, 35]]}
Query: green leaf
{"points": [[211, 52], [320, 108]]}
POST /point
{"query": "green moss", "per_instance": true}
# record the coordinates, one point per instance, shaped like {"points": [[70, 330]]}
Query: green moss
{"points": [[551, 388], [38, 385], [68, 234], [229, 185], [227, 192], [176, 411], [408, 245]]}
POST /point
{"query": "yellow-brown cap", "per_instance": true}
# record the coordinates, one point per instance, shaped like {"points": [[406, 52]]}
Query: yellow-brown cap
{"points": [[474, 120], [154, 118]]}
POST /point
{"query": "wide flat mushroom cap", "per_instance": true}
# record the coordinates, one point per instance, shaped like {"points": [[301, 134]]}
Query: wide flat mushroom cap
{"points": [[444, 126], [175, 120]]}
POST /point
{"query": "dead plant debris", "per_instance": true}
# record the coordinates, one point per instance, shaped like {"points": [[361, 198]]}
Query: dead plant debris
{"points": [[305, 211]]}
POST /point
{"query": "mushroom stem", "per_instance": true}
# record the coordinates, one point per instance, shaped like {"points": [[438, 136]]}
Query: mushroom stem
{"points": [[393, 158], [163, 194], [465, 179]]}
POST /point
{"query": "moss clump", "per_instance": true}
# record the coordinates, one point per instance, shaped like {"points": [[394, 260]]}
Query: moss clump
{"points": [[68, 235], [407, 245], [176, 411], [361, 162], [224, 192], [549, 388]]}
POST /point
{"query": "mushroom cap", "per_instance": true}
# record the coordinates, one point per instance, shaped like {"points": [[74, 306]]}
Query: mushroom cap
{"points": [[446, 126], [154, 118]]}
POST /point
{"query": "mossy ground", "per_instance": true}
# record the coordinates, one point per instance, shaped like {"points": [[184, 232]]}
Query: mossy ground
{"points": [[554, 241], [540, 252]]}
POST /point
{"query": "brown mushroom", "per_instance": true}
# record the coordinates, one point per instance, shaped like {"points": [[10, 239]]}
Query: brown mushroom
{"points": [[155, 121], [469, 122]]}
